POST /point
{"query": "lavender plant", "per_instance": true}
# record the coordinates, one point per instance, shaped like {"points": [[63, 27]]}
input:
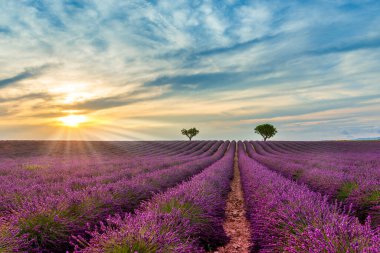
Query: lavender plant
{"points": [[45, 223], [288, 217], [187, 218], [343, 172]]}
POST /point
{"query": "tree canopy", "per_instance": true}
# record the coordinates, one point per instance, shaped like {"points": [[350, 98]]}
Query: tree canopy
{"points": [[266, 131], [190, 133]]}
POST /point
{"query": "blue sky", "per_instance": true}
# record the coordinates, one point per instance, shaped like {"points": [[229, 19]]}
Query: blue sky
{"points": [[146, 69]]}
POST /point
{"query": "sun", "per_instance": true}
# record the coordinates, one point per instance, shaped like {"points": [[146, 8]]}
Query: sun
{"points": [[73, 120]]}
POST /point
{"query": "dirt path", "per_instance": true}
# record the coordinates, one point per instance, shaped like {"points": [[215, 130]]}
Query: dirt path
{"points": [[236, 224]]}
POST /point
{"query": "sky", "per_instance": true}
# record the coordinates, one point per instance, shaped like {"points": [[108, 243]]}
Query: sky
{"points": [[143, 70]]}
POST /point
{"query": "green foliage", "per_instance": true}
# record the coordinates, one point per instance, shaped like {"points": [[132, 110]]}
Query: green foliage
{"points": [[373, 197], [44, 229], [188, 210], [4, 233], [7, 245], [77, 186], [190, 133], [131, 245], [346, 190], [33, 167], [297, 174], [81, 212], [266, 131]]}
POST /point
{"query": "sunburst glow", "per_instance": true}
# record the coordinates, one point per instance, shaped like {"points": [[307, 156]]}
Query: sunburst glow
{"points": [[73, 120]]}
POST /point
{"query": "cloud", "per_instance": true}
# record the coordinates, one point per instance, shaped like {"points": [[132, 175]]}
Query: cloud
{"points": [[5, 30], [100, 44], [26, 74], [103, 103], [237, 47], [347, 134], [16, 78], [316, 106], [201, 81], [30, 96], [366, 132], [46, 11], [118, 100], [213, 80], [372, 43], [229, 61]]}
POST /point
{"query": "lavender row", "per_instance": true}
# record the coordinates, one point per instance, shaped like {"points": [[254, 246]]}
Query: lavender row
{"points": [[16, 191], [45, 225], [69, 200], [356, 183], [22, 149], [311, 153], [15, 167], [187, 218], [288, 217], [53, 163]]}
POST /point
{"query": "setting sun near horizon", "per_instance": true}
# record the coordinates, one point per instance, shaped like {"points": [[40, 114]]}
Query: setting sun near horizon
{"points": [[73, 120]]}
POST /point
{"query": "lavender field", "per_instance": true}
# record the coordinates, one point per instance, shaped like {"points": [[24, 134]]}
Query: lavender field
{"points": [[134, 126], [171, 196]]}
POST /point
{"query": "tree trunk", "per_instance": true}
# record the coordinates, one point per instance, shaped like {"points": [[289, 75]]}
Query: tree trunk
{"points": [[265, 138]]}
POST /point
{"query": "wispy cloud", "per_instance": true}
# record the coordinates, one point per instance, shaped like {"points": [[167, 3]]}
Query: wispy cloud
{"points": [[5, 30], [26, 74], [214, 63], [118, 100], [29, 96], [371, 43]]}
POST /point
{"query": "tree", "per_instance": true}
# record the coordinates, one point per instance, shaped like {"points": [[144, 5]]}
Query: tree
{"points": [[266, 131], [190, 133]]}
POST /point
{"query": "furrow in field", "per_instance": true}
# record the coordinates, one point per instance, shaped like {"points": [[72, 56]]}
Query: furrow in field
{"points": [[236, 225]]}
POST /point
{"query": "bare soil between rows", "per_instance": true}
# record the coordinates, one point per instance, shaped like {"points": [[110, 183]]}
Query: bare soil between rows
{"points": [[236, 224]]}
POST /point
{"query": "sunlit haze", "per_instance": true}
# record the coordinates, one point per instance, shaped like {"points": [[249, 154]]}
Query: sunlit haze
{"points": [[73, 120], [143, 70]]}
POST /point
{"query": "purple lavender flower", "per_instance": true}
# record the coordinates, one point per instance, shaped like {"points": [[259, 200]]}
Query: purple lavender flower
{"points": [[187, 218], [55, 203], [289, 217]]}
